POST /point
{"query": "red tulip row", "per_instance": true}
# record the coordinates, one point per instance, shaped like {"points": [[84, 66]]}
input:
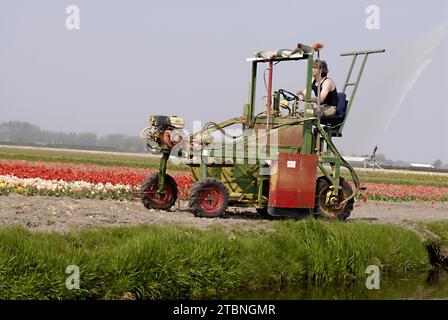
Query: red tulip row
{"points": [[392, 192], [114, 176], [84, 167]]}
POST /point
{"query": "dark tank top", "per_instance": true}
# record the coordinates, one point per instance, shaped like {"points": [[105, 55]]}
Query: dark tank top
{"points": [[332, 97]]}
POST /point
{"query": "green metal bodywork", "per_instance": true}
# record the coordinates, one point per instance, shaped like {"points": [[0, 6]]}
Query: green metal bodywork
{"points": [[246, 180]]}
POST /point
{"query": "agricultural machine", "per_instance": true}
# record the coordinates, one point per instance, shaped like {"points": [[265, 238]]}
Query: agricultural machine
{"points": [[283, 163]]}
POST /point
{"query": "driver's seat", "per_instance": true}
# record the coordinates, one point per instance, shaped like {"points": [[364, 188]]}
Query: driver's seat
{"points": [[336, 120]]}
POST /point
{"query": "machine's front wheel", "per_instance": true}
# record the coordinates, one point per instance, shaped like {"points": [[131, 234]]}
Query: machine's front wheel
{"points": [[209, 198], [330, 210], [153, 200]]}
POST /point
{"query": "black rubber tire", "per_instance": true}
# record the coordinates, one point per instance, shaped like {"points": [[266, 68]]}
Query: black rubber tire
{"points": [[197, 202], [263, 212], [326, 212], [151, 183]]}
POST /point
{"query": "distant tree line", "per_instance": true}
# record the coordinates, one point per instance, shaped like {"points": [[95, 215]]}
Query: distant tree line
{"points": [[20, 132]]}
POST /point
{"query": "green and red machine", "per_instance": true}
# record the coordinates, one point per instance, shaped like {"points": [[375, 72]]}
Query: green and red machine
{"points": [[283, 163]]}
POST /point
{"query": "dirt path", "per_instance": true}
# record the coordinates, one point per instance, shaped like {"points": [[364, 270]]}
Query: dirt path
{"points": [[399, 212], [64, 214]]}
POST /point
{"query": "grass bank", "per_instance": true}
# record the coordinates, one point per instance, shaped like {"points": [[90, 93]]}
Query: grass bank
{"points": [[435, 237], [155, 262]]}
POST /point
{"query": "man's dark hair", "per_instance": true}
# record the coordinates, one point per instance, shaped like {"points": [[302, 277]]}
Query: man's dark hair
{"points": [[322, 66]]}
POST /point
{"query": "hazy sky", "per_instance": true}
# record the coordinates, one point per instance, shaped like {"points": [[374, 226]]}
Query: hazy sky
{"points": [[131, 59]]}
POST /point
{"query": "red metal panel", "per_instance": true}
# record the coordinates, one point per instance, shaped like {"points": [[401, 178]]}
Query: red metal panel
{"points": [[293, 181], [307, 181]]}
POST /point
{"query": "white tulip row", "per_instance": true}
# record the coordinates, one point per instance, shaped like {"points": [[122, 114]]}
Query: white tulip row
{"points": [[10, 181]]}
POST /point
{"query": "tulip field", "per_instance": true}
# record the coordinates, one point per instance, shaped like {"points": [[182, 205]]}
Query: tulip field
{"points": [[98, 175], [84, 180], [79, 181], [393, 192]]}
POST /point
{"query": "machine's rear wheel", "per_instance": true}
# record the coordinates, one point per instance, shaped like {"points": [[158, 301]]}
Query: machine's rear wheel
{"points": [[153, 200], [263, 212], [330, 211], [209, 198]]}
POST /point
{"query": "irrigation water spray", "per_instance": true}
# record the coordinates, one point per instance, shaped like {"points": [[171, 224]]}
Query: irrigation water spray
{"points": [[418, 58]]}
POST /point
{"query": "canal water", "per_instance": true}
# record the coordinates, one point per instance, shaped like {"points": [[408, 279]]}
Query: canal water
{"points": [[432, 285]]}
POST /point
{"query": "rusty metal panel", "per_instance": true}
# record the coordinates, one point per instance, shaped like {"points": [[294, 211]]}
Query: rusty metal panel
{"points": [[288, 136], [291, 136], [293, 181]]}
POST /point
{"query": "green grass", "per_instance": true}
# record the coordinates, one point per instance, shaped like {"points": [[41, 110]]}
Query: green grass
{"points": [[440, 228], [436, 241], [84, 158], [155, 262]]}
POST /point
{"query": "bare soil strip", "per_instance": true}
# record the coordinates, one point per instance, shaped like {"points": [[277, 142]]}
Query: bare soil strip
{"points": [[42, 213]]}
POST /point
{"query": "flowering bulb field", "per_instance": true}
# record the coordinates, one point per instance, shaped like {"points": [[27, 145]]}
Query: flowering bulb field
{"points": [[394, 192], [118, 182], [80, 181]]}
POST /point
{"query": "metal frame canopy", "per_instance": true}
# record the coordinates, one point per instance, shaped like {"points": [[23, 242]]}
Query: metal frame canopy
{"points": [[280, 55], [300, 52]]}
